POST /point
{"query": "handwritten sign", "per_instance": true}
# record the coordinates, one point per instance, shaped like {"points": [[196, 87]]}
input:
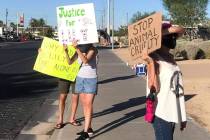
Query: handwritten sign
{"points": [[77, 22], [51, 60], [145, 35]]}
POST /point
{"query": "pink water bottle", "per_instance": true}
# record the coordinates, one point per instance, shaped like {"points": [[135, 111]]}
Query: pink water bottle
{"points": [[150, 108]]}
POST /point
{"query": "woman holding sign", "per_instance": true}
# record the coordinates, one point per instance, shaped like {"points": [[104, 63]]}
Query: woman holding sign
{"points": [[86, 84], [164, 87], [63, 88]]}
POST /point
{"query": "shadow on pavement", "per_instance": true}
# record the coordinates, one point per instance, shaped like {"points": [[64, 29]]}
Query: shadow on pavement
{"points": [[128, 117], [24, 85], [120, 107], [116, 123], [21, 96], [116, 79]]}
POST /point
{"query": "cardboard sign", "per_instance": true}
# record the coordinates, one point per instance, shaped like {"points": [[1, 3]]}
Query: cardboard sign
{"points": [[77, 22], [51, 60], [144, 35]]}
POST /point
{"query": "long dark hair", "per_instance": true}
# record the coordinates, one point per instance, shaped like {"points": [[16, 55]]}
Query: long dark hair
{"points": [[84, 48], [158, 55]]}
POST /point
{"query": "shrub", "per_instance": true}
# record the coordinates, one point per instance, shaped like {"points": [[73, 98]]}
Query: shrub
{"points": [[200, 54], [196, 49], [207, 54], [192, 50], [183, 53]]}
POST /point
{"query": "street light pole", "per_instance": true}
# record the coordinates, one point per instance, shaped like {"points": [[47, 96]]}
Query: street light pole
{"points": [[6, 17], [108, 17], [17, 25], [127, 18], [112, 24], [103, 18]]}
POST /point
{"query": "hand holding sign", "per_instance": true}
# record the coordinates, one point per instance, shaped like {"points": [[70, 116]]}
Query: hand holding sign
{"points": [[145, 56], [75, 43]]}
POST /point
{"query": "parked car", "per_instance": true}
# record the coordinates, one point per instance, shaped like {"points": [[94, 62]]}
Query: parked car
{"points": [[37, 38], [2, 38]]}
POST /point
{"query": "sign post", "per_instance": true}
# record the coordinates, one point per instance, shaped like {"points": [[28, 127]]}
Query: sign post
{"points": [[144, 36]]}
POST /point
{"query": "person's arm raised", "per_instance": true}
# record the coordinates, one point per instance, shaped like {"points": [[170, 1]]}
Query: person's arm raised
{"points": [[153, 71], [69, 60], [90, 54]]}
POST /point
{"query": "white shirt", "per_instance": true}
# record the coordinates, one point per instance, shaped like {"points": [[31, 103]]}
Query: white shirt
{"points": [[88, 70], [169, 107]]}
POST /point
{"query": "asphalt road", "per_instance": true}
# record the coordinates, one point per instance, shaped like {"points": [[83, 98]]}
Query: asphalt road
{"points": [[22, 90]]}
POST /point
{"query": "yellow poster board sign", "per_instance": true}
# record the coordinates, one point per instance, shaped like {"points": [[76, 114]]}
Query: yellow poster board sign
{"points": [[52, 61]]}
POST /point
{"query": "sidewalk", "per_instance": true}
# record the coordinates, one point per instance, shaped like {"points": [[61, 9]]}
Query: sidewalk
{"points": [[118, 110]]}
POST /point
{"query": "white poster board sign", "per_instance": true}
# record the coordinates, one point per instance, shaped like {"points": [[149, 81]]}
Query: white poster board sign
{"points": [[77, 22]]}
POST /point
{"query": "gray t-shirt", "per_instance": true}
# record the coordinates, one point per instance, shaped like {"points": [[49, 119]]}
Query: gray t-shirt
{"points": [[88, 70]]}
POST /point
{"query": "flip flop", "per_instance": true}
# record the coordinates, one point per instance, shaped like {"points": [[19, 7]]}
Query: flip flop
{"points": [[75, 123], [59, 126]]}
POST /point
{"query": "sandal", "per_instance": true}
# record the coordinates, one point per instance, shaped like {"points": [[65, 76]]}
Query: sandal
{"points": [[75, 123], [59, 126]]}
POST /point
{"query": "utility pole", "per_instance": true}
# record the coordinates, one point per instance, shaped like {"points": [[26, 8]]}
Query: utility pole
{"points": [[127, 18], [108, 17], [112, 24], [6, 17], [102, 21], [103, 18], [127, 25], [17, 24]]}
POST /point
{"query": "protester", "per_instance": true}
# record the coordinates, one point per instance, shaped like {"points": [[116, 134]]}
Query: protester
{"points": [[86, 85], [63, 87], [164, 81]]}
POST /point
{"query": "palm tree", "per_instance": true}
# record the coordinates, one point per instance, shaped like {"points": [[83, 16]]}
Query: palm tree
{"points": [[41, 22], [33, 22], [13, 25]]}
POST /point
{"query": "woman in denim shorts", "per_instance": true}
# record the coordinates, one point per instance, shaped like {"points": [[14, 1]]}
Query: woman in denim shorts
{"points": [[86, 85]]}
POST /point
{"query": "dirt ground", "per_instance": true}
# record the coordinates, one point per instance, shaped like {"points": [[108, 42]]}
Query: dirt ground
{"points": [[196, 77]]}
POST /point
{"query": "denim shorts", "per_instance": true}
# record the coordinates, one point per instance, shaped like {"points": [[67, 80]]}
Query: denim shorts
{"points": [[86, 85]]}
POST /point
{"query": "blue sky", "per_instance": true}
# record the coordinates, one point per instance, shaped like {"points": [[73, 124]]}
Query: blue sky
{"points": [[47, 9]]}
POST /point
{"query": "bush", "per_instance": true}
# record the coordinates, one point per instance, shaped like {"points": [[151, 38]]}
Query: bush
{"points": [[207, 55], [196, 49], [191, 50], [183, 53], [200, 54]]}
